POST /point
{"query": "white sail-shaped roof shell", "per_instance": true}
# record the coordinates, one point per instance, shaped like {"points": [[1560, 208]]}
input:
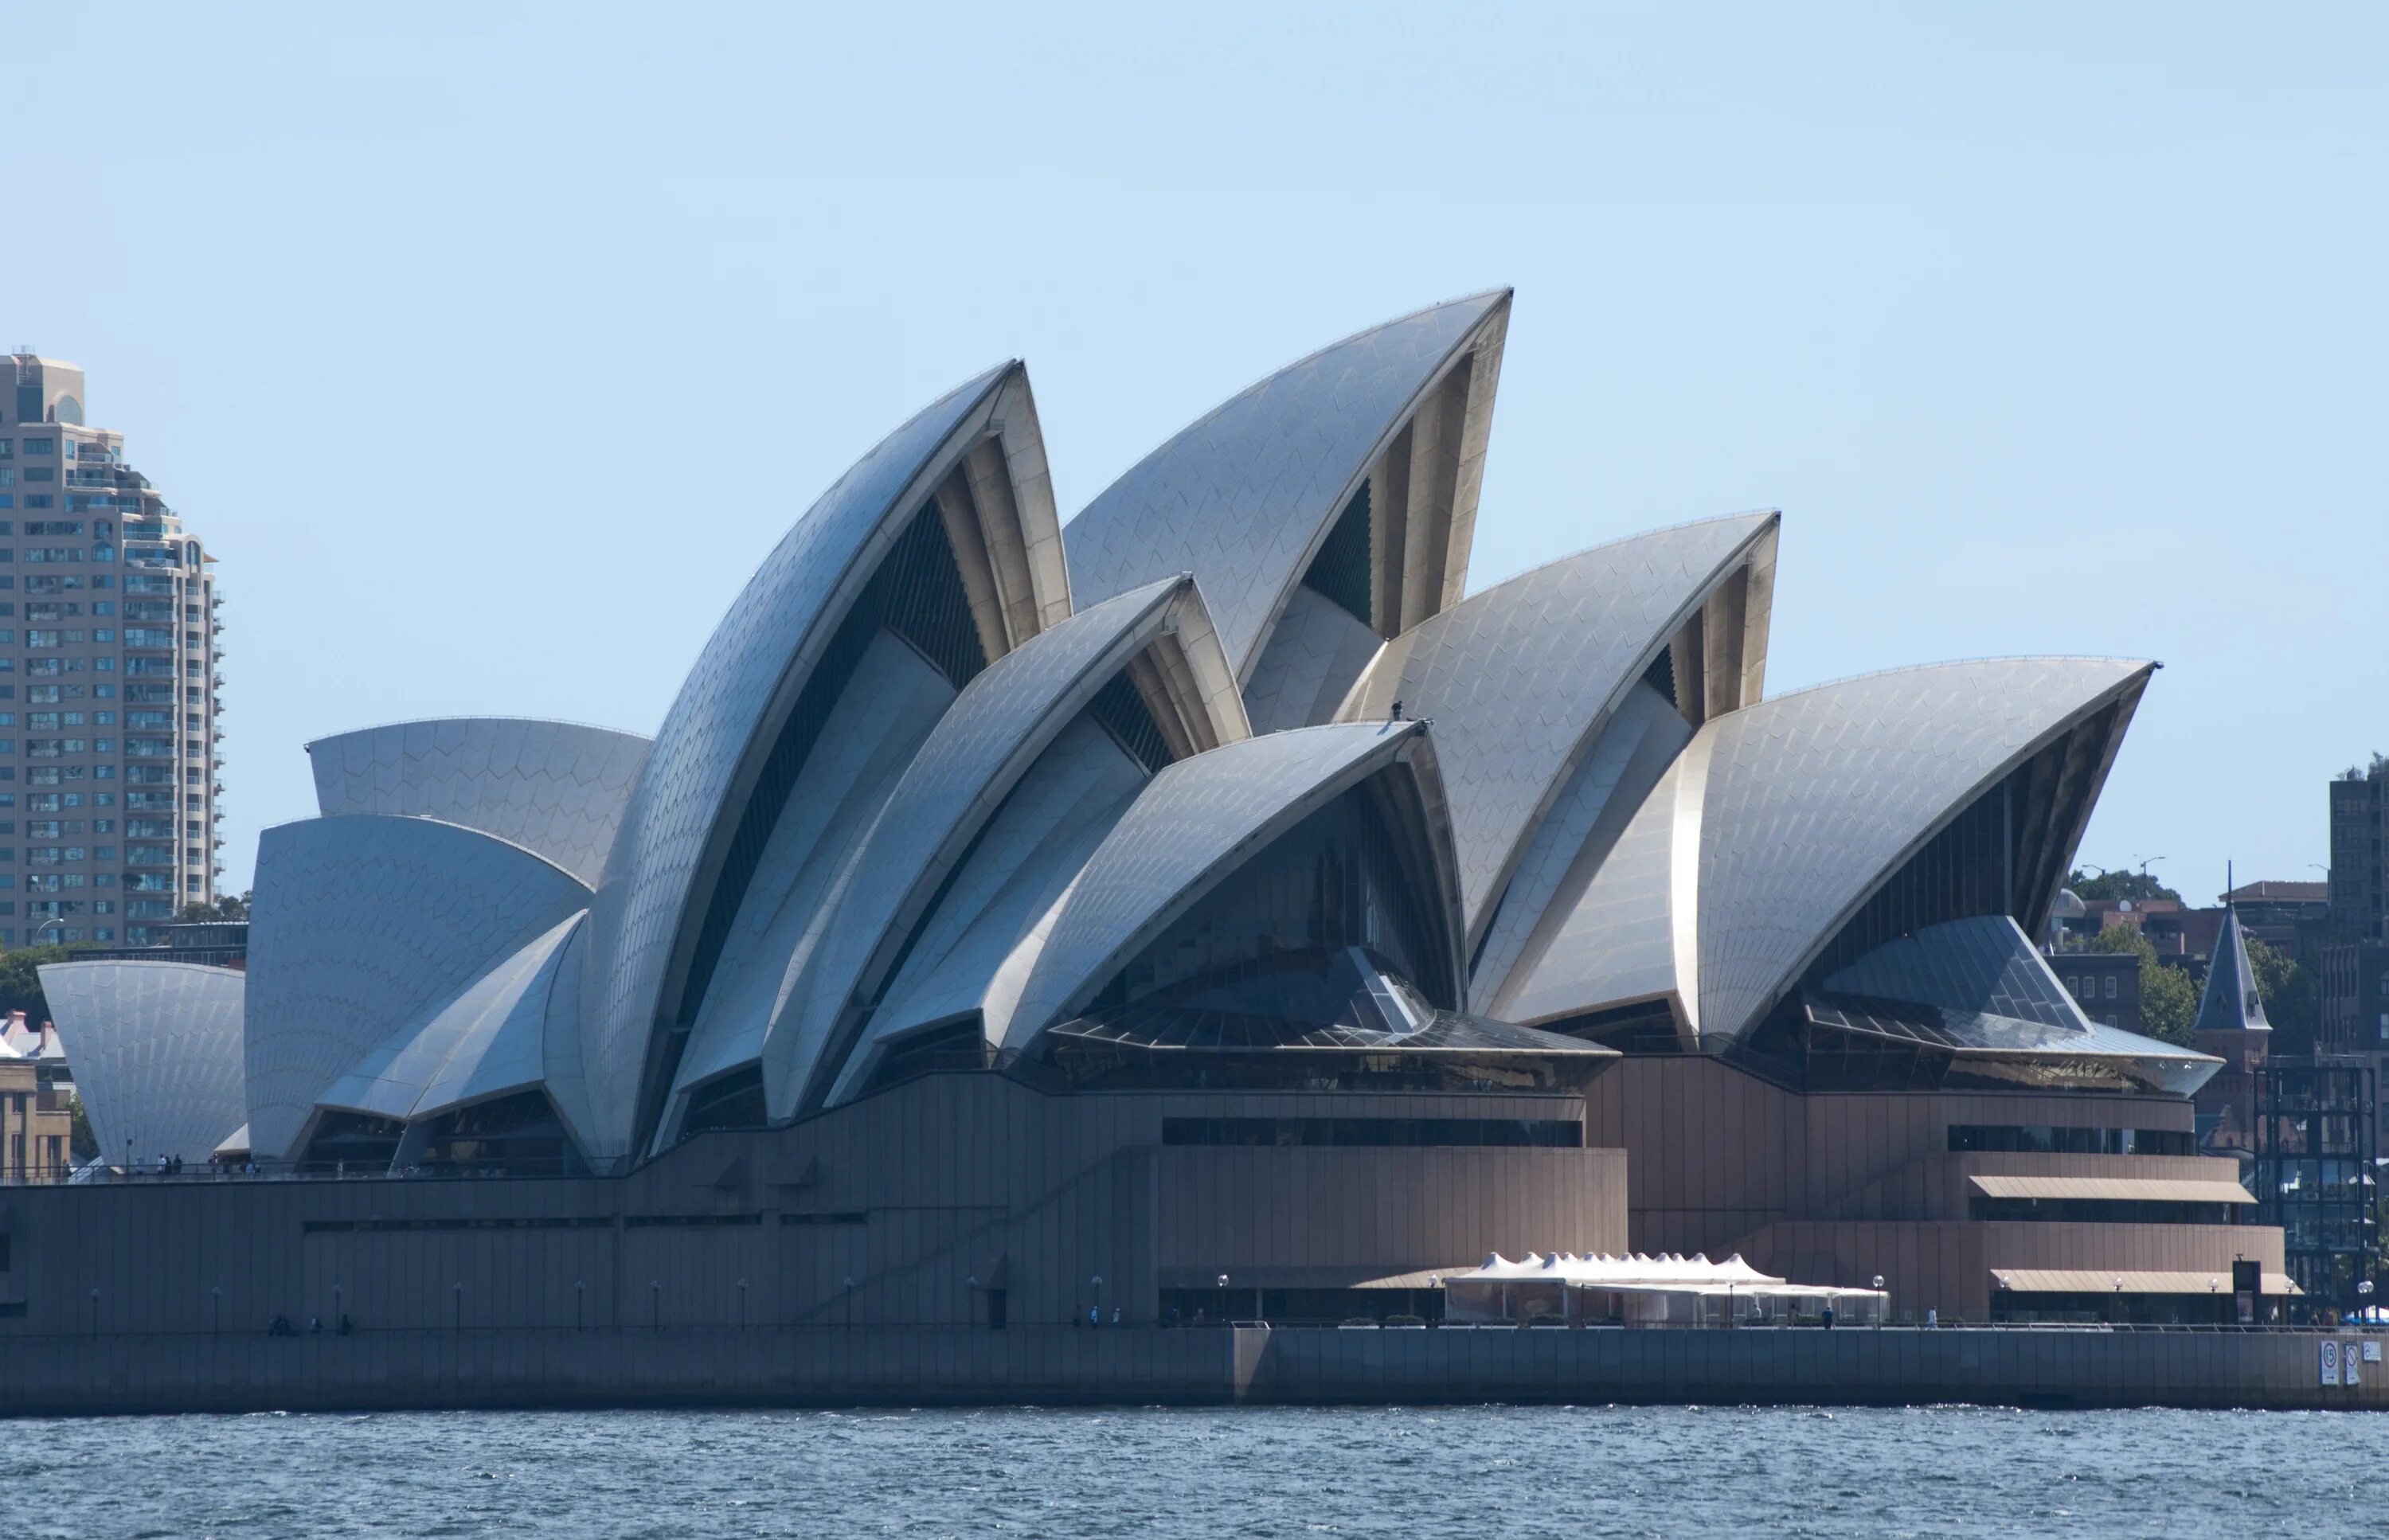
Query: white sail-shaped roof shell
{"points": [[486, 1040], [1779, 820], [710, 750], [155, 1052], [996, 729], [362, 924], [894, 703], [1521, 680], [1196, 822], [974, 956], [557, 788], [1573, 838], [1244, 497]]}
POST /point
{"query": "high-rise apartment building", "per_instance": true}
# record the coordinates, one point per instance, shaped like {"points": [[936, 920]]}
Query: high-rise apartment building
{"points": [[2359, 874], [108, 681]]}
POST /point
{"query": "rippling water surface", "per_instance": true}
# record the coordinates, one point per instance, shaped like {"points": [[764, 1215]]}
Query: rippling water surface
{"points": [[1460, 1471]]}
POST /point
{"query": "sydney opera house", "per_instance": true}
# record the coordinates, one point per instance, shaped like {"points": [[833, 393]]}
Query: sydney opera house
{"points": [[1208, 905]]}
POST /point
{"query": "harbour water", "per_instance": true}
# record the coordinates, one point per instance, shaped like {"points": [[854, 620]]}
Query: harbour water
{"points": [[1577, 1471]]}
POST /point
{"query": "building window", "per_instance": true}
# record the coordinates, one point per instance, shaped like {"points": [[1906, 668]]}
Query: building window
{"points": [[2111, 986]]}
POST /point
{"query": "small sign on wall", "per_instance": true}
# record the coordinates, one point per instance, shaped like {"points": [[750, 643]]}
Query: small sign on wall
{"points": [[2348, 1373], [2329, 1350], [2372, 1350]]}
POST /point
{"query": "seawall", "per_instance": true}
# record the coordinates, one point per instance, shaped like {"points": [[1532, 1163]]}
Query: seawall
{"points": [[961, 1366]]}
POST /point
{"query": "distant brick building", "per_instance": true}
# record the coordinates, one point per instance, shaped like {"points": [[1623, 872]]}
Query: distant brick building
{"points": [[2289, 917], [36, 1126], [2106, 984]]}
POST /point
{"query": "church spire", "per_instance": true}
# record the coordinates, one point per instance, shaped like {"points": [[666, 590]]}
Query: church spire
{"points": [[2231, 1002]]}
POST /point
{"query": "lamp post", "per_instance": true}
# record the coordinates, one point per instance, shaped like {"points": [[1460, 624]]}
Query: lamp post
{"points": [[1097, 1283], [655, 1304], [1878, 1304], [848, 1289], [339, 1320], [460, 1306], [580, 1301], [215, 1296], [1226, 1315], [95, 1310], [742, 1304], [2363, 1299]]}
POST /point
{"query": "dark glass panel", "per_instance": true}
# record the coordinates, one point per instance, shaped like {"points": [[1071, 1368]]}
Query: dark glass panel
{"points": [[1120, 709], [735, 1100], [1340, 572]]}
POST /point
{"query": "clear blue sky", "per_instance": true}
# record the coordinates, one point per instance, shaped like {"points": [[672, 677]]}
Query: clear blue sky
{"points": [[490, 347]]}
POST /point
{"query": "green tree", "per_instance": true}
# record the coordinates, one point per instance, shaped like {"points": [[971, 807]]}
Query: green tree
{"points": [[20, 987], [226, 907], [2292, 998], [81, 1143], [2112, 885], [2169, 1003]]}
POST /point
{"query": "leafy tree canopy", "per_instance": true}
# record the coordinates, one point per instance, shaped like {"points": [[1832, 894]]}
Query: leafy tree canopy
{"points": [[2111, 885], [2169, 1000], [20, 987], [2292, 998], [81, 1143]]}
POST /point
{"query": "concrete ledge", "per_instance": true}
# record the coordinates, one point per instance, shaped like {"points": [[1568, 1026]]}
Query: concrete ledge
{"points": [[959, 1366]]}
